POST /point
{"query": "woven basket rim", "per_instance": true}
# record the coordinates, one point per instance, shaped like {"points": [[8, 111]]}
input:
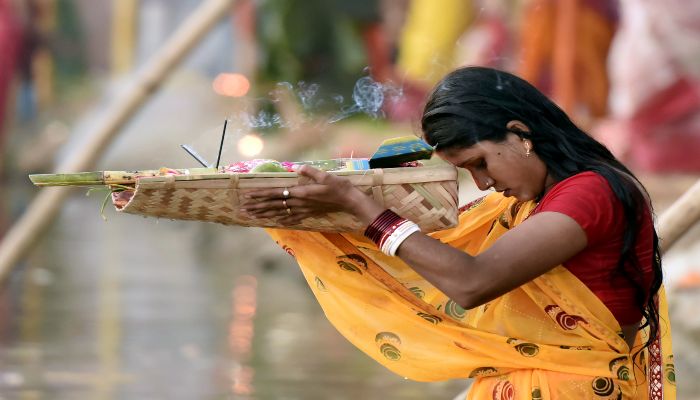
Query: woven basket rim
{"points": [[216, 198], [423, 174]]}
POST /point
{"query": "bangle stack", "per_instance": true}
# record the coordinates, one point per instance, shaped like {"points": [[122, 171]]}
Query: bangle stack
{"points": [[389, 230]]}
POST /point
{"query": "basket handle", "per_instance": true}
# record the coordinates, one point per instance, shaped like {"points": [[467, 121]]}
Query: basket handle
{"points": [[233, 180], [169, 181], [377, 181]]}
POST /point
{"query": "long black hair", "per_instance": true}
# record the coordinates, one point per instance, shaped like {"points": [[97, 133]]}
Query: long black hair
{"points": [[473, 104]]}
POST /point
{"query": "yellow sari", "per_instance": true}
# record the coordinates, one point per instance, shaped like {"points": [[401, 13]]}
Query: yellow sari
{"points": [[551, 338]]}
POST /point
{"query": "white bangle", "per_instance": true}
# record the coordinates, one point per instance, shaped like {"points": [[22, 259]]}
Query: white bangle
{"points": [[386, 243], [399, 236]]}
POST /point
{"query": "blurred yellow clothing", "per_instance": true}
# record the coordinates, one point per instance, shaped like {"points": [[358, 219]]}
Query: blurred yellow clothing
{"points": [[429, 38], [551, 338]]}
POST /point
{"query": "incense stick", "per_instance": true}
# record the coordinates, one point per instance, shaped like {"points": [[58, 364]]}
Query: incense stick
{"points": [[196, 155], [221, 145]]}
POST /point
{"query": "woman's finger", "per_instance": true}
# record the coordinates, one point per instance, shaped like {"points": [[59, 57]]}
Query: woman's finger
{"points": [[291, 213], [294, 219], [276, 193], [275, 204], [268, 213], [264, 214], [316, 174], [305, 170]]}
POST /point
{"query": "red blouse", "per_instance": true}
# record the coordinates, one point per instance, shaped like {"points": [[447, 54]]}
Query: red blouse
{"points": [[588, 199]]}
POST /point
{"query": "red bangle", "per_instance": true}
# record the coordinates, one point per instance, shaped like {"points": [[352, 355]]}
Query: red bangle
{"points": [[375, 229], [383, 226]]}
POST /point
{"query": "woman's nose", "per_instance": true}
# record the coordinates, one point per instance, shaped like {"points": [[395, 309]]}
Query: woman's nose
{"points": [[483, 182]]}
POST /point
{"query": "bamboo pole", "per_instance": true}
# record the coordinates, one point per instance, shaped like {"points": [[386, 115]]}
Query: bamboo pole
{"points": [[23, 234], [106, 178], [680, 217]]}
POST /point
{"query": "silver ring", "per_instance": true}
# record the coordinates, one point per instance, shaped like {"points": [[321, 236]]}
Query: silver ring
{"points": [[284, 203], [289, 211], [285, 193]]}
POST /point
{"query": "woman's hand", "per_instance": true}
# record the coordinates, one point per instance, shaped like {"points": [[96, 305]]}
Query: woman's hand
{"points": [[327, 193]]}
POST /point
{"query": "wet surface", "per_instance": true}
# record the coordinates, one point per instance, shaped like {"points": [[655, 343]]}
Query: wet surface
{"points": [[136, 308]]}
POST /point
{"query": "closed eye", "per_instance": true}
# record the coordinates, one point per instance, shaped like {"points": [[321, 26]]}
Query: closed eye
{"points": [[479, 164], [473, 163]]}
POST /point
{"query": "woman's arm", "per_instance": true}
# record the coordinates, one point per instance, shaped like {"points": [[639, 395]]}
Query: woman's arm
{"points": [[540, 243], [537, 245]]}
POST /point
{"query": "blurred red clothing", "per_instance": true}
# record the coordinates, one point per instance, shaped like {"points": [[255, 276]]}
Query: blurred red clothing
{"points": [[655, 86], [10, 45]]}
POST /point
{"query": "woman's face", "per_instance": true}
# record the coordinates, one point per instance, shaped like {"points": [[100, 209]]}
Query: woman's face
{"points": [[504, 166]]}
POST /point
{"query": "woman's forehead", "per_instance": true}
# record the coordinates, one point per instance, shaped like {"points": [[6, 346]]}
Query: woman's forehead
{"points": [[473, 150]]}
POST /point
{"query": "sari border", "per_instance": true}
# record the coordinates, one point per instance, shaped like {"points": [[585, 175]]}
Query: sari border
{"points": [[656, 370]]}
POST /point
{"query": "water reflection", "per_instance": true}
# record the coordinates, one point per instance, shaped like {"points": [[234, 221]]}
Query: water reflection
{"points": [[241, 331], [135, 308]]}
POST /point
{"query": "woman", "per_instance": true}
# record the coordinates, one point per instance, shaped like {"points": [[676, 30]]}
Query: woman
{"points": [[559, 270]]}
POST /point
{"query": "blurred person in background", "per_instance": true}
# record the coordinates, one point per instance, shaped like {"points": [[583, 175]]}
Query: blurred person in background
{"points": [[550, 43], [563, 51], [655, 86], [426, 51], [40, 44], [439, 36], [11, 47], [48, 58]]}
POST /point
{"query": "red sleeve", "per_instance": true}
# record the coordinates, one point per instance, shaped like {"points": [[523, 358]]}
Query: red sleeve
{"points": [[589, 200]]}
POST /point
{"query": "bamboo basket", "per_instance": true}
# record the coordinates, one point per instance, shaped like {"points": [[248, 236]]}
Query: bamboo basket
{"points": [[425, 195]]}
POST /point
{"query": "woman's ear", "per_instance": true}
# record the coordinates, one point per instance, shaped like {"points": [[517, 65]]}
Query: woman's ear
{"points": [[517, 126]]}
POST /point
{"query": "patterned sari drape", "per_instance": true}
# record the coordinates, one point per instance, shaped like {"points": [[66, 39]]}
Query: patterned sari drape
{"points": [[551, 338]]}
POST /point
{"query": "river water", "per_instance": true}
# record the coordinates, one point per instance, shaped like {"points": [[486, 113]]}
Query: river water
{"points": [[136, 308]]}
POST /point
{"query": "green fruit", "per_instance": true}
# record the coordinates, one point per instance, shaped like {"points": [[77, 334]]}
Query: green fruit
{"points": [[270, 166]]}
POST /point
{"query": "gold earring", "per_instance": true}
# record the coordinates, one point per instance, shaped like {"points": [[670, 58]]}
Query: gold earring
{"points": [[527, 147]]}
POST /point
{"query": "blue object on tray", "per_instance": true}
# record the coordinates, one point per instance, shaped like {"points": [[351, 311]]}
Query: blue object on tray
{"points": [[393, 152]]}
